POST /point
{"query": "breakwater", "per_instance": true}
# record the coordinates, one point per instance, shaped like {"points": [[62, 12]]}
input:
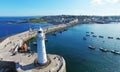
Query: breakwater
{"points": [[24, 36], [13, 40], [25, 61]]}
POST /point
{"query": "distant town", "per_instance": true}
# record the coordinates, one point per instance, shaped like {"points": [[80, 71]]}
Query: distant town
{"points": [[64, 19]]}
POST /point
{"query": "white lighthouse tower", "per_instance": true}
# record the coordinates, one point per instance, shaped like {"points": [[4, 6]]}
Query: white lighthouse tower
{"points": [[41, 50]]}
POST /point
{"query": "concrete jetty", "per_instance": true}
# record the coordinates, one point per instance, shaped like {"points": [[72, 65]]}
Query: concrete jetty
{"points": [[25, 61], [60, 26]]}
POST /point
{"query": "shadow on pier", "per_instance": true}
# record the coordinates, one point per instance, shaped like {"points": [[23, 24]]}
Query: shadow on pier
{"points": [[7, 66]]}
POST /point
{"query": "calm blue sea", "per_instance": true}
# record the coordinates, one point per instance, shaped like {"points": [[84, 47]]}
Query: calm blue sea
{"points": [[5, 19], [10, 29], [70, 45], [79, 58]]}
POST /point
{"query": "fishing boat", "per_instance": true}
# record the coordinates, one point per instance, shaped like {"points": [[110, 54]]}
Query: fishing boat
{"points": [[101, 36], [91, 47], [104, 49], [92, 32], [94, 36], [115, 52], [110, 37], [118, 38]]}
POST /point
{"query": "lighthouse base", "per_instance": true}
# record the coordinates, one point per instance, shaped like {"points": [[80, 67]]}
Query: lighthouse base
{"points": [[41, 65], [28, 63]]}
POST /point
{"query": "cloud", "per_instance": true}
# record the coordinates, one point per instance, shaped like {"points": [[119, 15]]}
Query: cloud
{"points": [[96, 1], [112, 1], [104, 1]]}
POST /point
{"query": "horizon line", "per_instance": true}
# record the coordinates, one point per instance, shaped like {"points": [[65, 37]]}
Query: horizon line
{"points": [[55, 15]]}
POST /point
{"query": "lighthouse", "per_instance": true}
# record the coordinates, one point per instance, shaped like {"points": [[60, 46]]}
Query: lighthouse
{"points": [[35, 62], [41, 49]]}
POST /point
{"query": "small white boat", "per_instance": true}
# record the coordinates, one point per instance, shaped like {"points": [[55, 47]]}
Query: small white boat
{"points": [[115, 52], [104, 50], [91, 47]]}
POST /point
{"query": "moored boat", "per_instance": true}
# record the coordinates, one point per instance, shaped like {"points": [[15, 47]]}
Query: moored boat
{"points": [[110, 37], [115, 52], [104, 49], [92, 47], [101, 36], [92, 32], [118, 38], [94, 36]]}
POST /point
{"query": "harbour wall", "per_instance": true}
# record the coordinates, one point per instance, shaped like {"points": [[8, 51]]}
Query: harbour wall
{"points": [[24, 36], [18, 39], [60, 26]]}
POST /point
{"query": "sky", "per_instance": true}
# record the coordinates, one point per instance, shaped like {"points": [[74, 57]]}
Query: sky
{"points": [[59, 7]]}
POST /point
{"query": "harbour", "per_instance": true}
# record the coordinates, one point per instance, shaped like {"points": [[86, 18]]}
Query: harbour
{"points": [[77, 54], [83, 57]]}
